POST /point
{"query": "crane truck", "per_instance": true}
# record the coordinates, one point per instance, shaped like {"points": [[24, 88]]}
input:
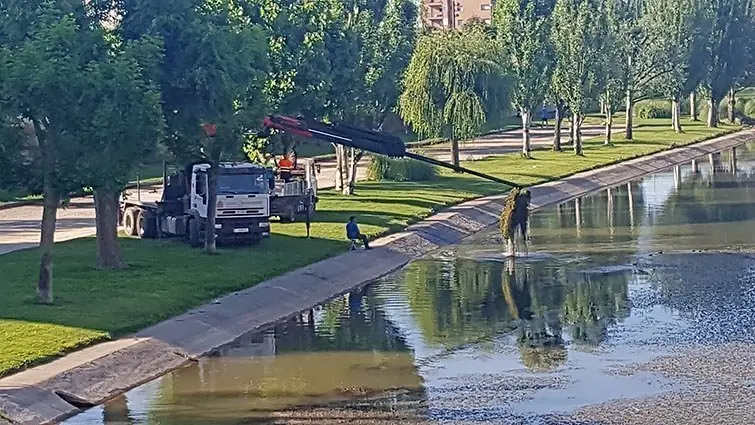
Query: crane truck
{"points": [[243, 205], [295, 191]]}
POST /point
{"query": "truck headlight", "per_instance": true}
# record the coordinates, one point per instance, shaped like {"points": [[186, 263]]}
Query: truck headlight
{"points": [[218, 226], [265, 224]]}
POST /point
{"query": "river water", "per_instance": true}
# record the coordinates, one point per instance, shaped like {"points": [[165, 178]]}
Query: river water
{"points": [[633, 305]]}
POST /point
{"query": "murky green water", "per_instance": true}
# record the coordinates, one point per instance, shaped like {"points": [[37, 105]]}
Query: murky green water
{"points": [[465, 336]]}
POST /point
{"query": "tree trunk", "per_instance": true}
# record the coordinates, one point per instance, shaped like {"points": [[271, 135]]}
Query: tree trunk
{"points": [[676, 114], [338, 183], [51, 201], [526, 148], [354, 158], [629, 132], [712, 112], [609, 124], [732, 103], [572, 128], [578, 134], [455, 152], [693, 106], [557, 129], [106, 221], [210, 247], [47, 240]]}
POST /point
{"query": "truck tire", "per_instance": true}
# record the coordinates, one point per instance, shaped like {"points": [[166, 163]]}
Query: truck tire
{"points": [[129, 221], [147, 226], [193, 234], [290, 215]]}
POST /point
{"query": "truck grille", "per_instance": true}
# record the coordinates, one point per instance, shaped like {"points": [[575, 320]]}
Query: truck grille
{"points": [[249, 211]]}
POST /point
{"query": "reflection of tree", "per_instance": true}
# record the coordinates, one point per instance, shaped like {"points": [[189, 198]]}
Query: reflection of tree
{"points": [[352, 324], [458, 301], [596, 212], [539, 328], [715, 199], [116, 412], [352, 353], [593, 305]]}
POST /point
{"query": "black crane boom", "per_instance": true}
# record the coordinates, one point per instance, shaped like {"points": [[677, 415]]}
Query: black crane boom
{"points": [[368, 140]]}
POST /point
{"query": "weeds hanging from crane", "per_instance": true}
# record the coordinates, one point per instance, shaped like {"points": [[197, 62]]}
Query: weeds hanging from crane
{"points": [[514, 219]]}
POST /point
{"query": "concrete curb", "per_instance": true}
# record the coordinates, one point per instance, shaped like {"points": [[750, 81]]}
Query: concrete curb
{"points": [[55, 391]]}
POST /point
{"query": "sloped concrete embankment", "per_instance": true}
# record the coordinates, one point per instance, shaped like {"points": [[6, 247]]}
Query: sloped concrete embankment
{"points": [[52, 392]]}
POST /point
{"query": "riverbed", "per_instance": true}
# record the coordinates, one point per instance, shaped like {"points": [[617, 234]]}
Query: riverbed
{"points": [[633, 305]]}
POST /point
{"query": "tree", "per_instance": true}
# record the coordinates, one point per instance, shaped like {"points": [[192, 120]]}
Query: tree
{"points": [[67, 81], [685, 29], [578, 39], [611, 75], [642, 49], [211, 79], [523, 29], [452, 82], [387, 35], [746, 78], [122, 126], [731, 27]]}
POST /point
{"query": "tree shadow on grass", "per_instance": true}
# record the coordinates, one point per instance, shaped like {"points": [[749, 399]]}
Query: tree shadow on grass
{"points": [[164, 278]]}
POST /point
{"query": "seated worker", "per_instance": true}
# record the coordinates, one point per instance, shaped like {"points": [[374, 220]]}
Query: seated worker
{"points": [[353, 233]]}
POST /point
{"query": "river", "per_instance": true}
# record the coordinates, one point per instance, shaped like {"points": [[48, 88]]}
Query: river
{"points": [[633, 305]]}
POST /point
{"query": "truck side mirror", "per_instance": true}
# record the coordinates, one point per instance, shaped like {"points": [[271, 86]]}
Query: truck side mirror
{"points": [[204, 198]]}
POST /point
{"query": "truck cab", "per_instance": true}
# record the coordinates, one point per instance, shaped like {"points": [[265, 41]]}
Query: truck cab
{"points": [[243, 205], [243, 199]]}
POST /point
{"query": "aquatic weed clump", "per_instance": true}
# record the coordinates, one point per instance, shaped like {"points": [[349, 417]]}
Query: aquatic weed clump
{"points": [[515, 214]]}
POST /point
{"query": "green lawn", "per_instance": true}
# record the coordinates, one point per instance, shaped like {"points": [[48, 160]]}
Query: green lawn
{"points": [[650, 136], [166, 278]]}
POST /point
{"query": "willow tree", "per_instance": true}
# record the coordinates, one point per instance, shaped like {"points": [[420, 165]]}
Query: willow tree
{"points": [[452, 83], [523, 28]]}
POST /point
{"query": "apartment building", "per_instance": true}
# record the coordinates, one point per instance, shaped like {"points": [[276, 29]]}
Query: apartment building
{"points": [[453, 13]]}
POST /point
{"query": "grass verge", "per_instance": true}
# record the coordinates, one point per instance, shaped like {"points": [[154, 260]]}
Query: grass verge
{"points": [[165, 278]]}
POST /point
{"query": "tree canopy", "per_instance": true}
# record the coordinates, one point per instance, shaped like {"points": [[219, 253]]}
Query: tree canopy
{"points": [[451, 85]]}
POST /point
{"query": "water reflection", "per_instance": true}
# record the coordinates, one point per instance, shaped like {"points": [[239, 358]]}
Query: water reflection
{"points": [[468, 336], [461, 301]]}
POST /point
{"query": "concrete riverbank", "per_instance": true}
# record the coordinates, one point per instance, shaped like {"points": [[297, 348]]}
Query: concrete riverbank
{"points": [[95, 374]]}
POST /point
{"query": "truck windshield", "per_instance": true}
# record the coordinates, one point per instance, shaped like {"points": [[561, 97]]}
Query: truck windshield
{"points": [[241, 184]]}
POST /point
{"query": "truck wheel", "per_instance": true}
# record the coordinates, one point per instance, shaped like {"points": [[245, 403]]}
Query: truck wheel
{"points": [[291, 217], [147, 226], [193, 236], [129, 221]]}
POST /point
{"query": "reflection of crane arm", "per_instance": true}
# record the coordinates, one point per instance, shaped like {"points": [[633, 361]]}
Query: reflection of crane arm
{"points": [[355, 137]]}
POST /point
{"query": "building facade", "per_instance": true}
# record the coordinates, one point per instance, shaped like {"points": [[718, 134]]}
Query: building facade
{"points": [[454, 13]]}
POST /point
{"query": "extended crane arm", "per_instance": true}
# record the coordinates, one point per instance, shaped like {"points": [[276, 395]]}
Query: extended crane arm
{"points": [[371, 141]]}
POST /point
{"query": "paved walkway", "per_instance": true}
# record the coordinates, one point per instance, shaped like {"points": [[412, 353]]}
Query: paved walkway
{"points": [[98, 373], [19, 226], [471, 150]]}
